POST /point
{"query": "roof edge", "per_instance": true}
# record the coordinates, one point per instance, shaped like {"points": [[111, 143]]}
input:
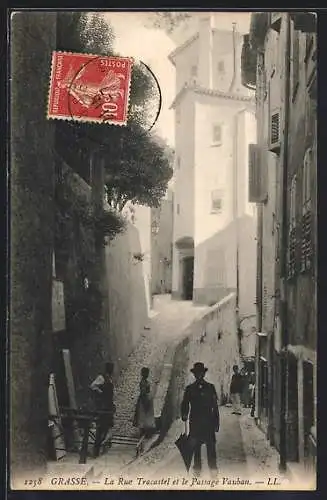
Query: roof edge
{"points": [[211, 92], [181, 47]]}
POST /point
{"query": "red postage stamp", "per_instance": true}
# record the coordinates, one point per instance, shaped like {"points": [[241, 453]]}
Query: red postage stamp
{"points": [[89, 88]]}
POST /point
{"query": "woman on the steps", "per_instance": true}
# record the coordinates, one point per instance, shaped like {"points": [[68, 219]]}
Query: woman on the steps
{"points": [[144, 412]]}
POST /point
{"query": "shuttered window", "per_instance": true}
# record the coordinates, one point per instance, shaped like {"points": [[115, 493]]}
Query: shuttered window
{"points": [[292, 230], [257, 175], [306, 226], [274, 128]]}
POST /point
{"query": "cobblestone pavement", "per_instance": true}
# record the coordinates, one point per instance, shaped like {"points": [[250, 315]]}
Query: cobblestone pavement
{"points": [[261, 457], [165, 458], [242, 450], [171, 320]]}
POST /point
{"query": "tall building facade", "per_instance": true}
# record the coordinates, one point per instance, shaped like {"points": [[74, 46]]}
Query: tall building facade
{"points": [[214, 225], [279, 60]]}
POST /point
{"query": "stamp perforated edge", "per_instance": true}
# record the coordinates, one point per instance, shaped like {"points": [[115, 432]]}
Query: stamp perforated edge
{"points": [[89, 120]]}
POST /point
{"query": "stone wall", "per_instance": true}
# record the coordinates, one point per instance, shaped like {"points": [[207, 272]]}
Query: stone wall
{"points": [[215, 265], [219, 347], [212, 340], [124, 300], [32, 221], [127, 295]]}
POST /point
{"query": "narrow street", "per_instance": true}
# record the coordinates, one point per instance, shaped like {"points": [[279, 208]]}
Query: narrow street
{"points": [[242, 449], [193, 176], [168, 323]]}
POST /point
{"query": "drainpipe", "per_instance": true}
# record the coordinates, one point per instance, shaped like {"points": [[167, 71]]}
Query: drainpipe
{"points": [[259, 311], [231, 88], [236, 221], [283, 246]]}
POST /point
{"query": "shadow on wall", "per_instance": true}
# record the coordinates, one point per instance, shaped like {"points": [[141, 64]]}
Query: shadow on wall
{"points": [[215, 261], [127, 297], [212, 340]]}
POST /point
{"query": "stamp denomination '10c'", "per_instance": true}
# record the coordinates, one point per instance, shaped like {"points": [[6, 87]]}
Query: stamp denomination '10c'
{"points": [[89, 88]]}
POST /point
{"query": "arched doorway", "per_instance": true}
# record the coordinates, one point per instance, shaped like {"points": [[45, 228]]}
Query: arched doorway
{"points": [[185, 248]]}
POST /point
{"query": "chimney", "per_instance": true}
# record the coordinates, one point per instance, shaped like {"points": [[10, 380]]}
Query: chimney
{"points": [[205, 49]]}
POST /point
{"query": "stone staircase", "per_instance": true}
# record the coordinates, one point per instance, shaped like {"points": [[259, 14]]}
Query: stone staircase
{"points": [[155, 350]]}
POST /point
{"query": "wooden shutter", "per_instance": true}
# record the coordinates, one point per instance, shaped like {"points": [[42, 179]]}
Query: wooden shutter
{"points": [[257, 191]]}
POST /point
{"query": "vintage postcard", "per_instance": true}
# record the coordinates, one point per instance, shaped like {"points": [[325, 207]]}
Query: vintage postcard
{"points": [[163, 301]]}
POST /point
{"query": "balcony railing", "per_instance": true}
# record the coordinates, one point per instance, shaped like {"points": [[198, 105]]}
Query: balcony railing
{"points": [[292, 253], [306, 243]]}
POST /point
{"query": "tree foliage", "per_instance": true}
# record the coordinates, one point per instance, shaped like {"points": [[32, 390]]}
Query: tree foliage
{"points": [[80, 32], [91, 33], [140, 171], [168, 21], [137, 164]]}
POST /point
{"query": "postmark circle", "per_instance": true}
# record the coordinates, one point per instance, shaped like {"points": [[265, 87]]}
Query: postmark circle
{"points": [[101, 97]]}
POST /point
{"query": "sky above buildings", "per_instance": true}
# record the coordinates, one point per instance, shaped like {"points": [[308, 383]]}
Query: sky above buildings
{"points": [[152, 46]]}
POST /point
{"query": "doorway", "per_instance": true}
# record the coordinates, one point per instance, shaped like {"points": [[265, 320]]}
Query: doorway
{"points": [[263, 391], [308, 406], [292, 413], [188, 270]]}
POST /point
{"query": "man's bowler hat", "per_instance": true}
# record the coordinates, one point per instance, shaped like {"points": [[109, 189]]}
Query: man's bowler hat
{"points": [[199, 368]]}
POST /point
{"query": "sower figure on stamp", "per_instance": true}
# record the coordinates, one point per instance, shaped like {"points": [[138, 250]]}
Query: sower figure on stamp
{"points": [[200, 403], [104, 399]]}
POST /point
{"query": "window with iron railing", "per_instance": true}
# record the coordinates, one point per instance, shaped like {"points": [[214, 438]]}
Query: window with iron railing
{"points": [[306, 225], [292, 231]]}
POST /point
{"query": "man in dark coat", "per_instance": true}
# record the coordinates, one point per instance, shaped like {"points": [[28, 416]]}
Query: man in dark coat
{"points": [[103, 388], [200, 403], [236, 388]]}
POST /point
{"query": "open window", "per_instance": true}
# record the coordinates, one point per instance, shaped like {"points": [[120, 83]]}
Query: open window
{"points": [[276, 21]]}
